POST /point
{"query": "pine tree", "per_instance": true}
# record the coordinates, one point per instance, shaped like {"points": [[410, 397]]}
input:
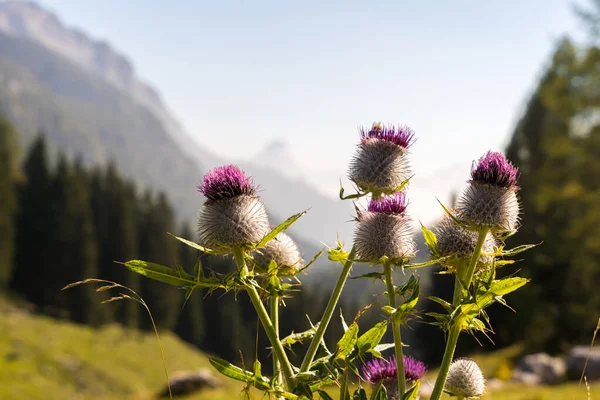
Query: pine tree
{"points": [[156, 219], [114, 209], [74, 252], [190, 326], [8, 200], [34, 225]]}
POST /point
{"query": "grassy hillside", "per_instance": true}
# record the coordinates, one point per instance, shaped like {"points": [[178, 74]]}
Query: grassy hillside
{"points": [[42, 358]]}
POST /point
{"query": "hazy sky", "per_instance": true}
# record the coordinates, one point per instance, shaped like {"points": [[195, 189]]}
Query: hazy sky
{"points": [[239, 74]]}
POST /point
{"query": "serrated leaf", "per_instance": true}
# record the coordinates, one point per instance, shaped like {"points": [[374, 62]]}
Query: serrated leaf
{"points": [[374, 275], [238, 374], [518, 249], [430, 240], [447, 306], [310, 263], [347, 342], [279, 228], [456, 221], [167, 275], [413, 392], [194, 245], [371, 338], [497, 289], [428, 263], [382, 347], [300, 336], [359, 394]]}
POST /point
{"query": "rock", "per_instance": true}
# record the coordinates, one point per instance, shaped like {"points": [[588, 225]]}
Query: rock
{"points": [[540, 368], [576, 361], [186, 382]]}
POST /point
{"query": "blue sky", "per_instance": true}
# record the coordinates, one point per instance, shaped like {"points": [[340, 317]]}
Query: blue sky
{"points": [[239, 74]]}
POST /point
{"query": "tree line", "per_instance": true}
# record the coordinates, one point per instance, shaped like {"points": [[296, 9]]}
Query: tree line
{"points": [[62, 222]]}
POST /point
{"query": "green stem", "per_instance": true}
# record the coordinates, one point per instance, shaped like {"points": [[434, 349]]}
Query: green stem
{"points": [[459, 277], [387, 269], [274, 308], [333, 300], [475, 258], [456, 327], [440, 382], [278, 351]]}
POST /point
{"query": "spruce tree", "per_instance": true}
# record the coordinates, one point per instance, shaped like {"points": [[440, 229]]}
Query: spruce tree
{"points": [[156, 219], [114, 209], [8, 200], [34, 225], [74, 251]]}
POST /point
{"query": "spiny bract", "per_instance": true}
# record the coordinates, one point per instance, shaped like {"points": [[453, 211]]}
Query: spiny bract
{"points": [[458, 243], [384, 230], [380, 164], [233, 216], [284, 251]]}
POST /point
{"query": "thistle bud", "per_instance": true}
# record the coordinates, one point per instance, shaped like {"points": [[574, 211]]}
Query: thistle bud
{"points": [[233, 215], [386, 371], [284, 251], [459, 244], [491, 200], [380, 164], [384, 230], [465, 379]]}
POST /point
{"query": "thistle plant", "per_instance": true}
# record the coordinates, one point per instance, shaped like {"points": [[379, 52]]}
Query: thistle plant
{"points": [[468, 242]]}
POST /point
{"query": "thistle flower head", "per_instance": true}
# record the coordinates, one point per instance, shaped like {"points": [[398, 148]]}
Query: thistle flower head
{"points": [[380, 164], [401, 135], [384, 230], [395, 204], [379, 369], [458, 243], [465, 379], [284, 251], [490, 201], [494, 169], [233, 216], [226, 182]]}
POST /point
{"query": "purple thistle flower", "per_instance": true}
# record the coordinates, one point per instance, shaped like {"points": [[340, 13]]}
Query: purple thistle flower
{"points": [[401, 135], [395, 204], [494, 169], [380, 369], [226, 182]]}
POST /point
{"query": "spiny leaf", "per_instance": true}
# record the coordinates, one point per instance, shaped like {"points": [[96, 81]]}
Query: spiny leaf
{"points": [[518, 249], [430, 240], [374, 275], [324, 395], [167, 275], [428, 263], [371, 338], [311, 262], [347, 342], [413, 393], [194, 245], [238, 374], [279, 228], [447, 306]]}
